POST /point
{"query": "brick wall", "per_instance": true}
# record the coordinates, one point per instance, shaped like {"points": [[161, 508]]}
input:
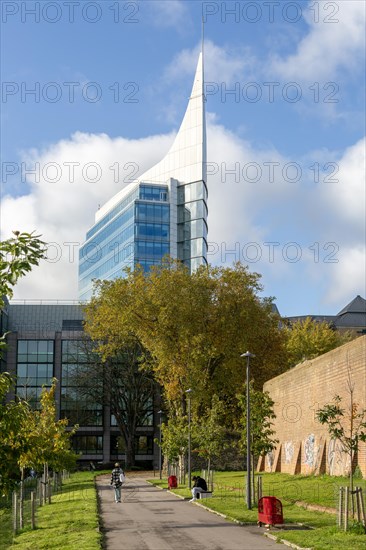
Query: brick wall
{"points": [[305, 446]]}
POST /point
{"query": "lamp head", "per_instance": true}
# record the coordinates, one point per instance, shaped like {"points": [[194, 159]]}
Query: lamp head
{"points": [[247, 354]]}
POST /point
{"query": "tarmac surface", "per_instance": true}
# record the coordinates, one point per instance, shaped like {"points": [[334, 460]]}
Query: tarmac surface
{"points": [[149, 518]]}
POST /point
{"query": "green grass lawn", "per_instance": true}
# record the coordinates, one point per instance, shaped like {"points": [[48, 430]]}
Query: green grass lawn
{"points": [[229, 499], [69, 522]]}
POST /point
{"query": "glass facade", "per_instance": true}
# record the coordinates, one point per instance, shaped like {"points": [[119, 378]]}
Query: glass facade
{"points": [[162, 213], [35, 367], [88, 444], [144, 445], [76, 403], [135, 231], [192, 224]]}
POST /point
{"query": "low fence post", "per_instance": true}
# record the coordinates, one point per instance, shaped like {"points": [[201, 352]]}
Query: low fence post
{"points": [[15, 511], [33, 505], [362, 508], [346, 503], [340, 509], [259, 487], [357, 490]]}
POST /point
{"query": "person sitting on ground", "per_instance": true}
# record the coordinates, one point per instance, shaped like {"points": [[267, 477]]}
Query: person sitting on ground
{"points": [[116, 481], [199, 486]]}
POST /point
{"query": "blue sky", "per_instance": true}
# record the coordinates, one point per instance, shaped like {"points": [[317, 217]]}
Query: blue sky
{"points": [[286, 131]]}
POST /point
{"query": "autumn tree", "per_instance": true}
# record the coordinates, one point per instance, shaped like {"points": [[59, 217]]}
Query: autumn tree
{"points": [[307, 339], [194, 326], [13, 418], [48, 439]]}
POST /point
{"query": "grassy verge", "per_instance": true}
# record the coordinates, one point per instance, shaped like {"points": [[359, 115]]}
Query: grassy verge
{"points": [[70, 522], [229, 499]]}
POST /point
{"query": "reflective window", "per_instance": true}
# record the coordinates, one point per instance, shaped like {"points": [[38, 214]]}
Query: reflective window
{"points": [[152, 212], [192, 211], [94, 252], [34, 368], [108, 230], [192, 192], [150, 249], [78, 385], [88, 444], [120, 206], [154, 192], [144, 445], [153, 230]]}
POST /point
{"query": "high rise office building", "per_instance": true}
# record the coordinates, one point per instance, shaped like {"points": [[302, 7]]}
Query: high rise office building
{"points": [[162, 213]]}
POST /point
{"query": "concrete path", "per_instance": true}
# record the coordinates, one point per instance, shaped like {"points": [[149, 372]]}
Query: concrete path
{"points": [[149, 518]]}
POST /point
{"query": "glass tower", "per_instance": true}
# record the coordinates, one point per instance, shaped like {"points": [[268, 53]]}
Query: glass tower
{"points": [[164, 212]]}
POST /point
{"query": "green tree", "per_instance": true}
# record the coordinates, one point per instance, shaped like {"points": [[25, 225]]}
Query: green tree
{"points": [[18, 255], [308, 339], [13, 417], [31, 438], [175, 441], [211, 432], [261, 424], [348, 424], [194, 326], [48, 438]]}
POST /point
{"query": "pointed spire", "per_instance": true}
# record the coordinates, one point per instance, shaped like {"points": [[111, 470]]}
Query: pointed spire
{"points": [[186, 159]]}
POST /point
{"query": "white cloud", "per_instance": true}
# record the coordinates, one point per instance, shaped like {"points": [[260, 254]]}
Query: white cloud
{"points": [[348, 195], [243, 208], [63, 210], [335, 41], [348, 275]]}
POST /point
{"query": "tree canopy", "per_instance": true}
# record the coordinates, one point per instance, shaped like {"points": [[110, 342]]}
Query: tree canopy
{"points": [[28, 438], [18, 255], [194, 326], [307, 339]]}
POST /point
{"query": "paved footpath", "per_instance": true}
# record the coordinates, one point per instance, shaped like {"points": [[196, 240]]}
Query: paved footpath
{"points": [[149, 518]]}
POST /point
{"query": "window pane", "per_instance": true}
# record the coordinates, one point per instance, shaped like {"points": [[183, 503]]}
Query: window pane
{"points": [[22, 370], [32, 347], [22, 346]]}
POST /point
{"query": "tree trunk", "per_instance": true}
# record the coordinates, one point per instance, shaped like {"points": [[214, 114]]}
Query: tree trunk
{"points": [[182, 469], [21, 500], [130, 454]]}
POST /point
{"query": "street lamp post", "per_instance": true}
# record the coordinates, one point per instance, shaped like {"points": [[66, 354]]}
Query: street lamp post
{"points": [[160, 413], [188, 392], [248, 355]]}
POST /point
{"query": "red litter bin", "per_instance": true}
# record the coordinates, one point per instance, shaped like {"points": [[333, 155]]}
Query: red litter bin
{"points": [[172, 482], [270, 511]]}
